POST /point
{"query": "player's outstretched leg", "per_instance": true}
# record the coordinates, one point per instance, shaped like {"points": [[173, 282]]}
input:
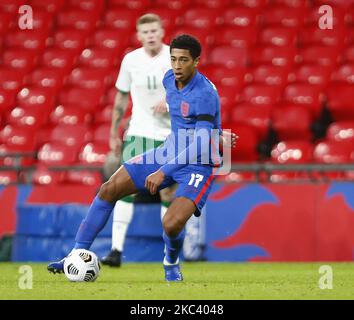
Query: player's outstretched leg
{"points": [[117, 187], [173, 223]]}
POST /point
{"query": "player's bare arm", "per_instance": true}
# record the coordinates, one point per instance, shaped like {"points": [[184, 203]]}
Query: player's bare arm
{"points": [[119, 108]]}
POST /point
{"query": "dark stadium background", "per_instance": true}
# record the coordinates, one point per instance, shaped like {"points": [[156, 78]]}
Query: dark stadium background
{"points": [[286, 88]]}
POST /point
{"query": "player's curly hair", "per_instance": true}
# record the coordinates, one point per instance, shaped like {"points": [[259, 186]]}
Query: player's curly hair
{"points": [[187, 42]]}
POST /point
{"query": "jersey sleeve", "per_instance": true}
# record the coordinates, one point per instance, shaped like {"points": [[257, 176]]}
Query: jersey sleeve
{"points": [[124, 80], [206, 110]]}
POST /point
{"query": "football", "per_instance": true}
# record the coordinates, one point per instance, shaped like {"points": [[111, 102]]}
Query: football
{"points": [[82, 265]]}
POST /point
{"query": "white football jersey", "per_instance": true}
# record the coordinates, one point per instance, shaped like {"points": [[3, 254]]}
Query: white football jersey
{"points": [[142, 76]]}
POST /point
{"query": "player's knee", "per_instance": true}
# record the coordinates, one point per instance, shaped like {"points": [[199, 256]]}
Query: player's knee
{"points": [[109, 191], [172, 226]]}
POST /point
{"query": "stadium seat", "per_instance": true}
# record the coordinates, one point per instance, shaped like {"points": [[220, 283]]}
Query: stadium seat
{"points": [[268, 74], [240, 17], [10, 79], [338, 19], [57, 154], [333, 152], [344, 74], [10, 6], [313, 74], [313, 35], [27, 39], [258, 117], [7, 101], [131, 4], [18, 139], [213, 4], [228, 98], [71, 135], [87, 5], [47, 78], [228, 57], [292, 122], [83, 177], [85, 21], [340, 101], [36, 97], [70, 39], [88, 78], [171, 19], [173, 4], [110, 39], [6, 20], [104, 115], [58, 59], [52, 6], [43, 176], [98, 58], [204, 18], [293, 4], [70, 115], [254, 4], [27, 117], [320, 54], [42, 20], [306, 96], [205, 37], [101, 133], [349, 54], [222, 76], [277, 56], [345, 4], [341, 131], [110, 96], [8, 177], [121, 19], [281, 15], [294, 151], [261, 95], [88, 99], [278, 36], [240, 37], [20, 60], [93, 154]]}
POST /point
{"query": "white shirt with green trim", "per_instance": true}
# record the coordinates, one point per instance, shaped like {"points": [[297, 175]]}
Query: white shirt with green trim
{"points": [[141, 75]]}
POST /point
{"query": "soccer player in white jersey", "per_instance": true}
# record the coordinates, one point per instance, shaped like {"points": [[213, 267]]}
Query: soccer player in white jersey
{"points": [[141, 74]]}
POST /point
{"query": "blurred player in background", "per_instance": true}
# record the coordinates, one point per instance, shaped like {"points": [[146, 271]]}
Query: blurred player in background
{"points": [[141, 75]]}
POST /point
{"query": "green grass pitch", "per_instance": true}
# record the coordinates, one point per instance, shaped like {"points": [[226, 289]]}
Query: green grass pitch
{"points": [[203, 281]]}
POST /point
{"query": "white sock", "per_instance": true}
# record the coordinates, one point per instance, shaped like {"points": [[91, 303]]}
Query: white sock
{"points": [[122, 216], [166, 263], [163, 211]]}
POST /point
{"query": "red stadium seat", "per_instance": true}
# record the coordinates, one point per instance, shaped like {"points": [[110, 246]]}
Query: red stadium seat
{"points": [[240, 17], [83, 177], [110, 39], [87, 5], [94, 153], [42, 20], [101, 133], [27, 39], [171, 19], [277, 56], [98, 58], [18, 139], [338, 19], [58, 59], [36, 97], [47, 78], [104, 115], [349, 54], [240, 37], [293, 4], [76, 18], [228, 57], [57, 154], [70, 115], [292, 122], [340, 101], [344, 73], [131, 4], [49, 5], [228, 97], [204, 18], [6, 20], [8, 177], [70, 39], [121, 19], [313, 74], [294, 151], [173, 4], [278, 36], [320, 54], [258, 117], [333, 152], [111, 95], [71, 135], [7, 100], [88, 99], [339, 3], [283, 16], [43, 176], [268, 74], [20, 60], [88, 78], [213, 4], [10, 79], [224, 77], [254, 4], [27, 117], [306, 96], [341, 131], [261, 95], [10, 6], [313, 35], [205, 37]]}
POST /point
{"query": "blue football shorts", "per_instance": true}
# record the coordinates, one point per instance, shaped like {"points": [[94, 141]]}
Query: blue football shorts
{"points": [[194, 181]]}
